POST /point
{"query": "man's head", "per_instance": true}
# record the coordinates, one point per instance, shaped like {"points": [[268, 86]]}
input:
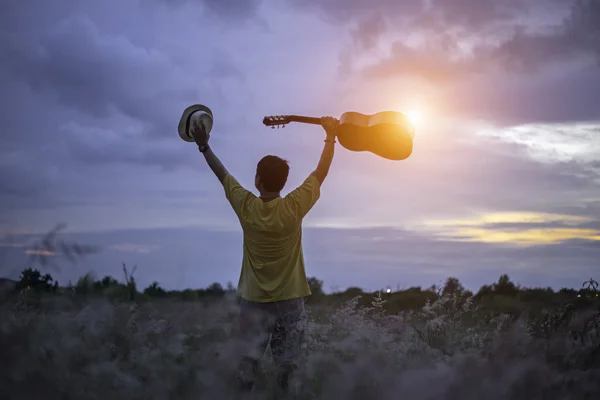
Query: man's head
{"points": [[271, 174]]}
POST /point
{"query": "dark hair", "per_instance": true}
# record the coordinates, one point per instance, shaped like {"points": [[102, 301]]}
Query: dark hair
{"points": [[273, 172]]}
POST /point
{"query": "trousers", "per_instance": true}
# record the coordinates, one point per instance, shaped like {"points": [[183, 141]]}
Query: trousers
{"points": [[281, 324]]}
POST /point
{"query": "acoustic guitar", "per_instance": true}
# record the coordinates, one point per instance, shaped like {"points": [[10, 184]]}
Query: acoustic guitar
{"points": [[388, 134]]}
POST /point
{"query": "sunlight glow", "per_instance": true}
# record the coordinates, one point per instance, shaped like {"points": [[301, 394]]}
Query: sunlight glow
{"points": [[40, 253], [514, 217], [415, 116], [525, 237]]}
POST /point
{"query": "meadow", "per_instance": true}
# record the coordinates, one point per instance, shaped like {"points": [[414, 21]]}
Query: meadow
{"points": [[105, 338], [101, 339]]}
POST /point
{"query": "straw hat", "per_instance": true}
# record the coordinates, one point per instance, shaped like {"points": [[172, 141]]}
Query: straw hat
{"points": [[189, 114]]}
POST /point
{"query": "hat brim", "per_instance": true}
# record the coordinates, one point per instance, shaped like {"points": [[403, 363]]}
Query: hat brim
{"points": [[184, 123]]}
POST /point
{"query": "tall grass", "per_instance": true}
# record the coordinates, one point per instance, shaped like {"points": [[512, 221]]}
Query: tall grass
{"points": [[68, 347]]}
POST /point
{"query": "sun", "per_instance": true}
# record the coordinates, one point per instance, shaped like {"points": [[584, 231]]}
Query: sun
{"points": [[415, 116]]}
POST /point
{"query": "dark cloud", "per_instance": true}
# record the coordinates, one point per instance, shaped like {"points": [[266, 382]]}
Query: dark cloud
{"points": [[478, 14], [472, 14], [83, 90], [369, 31], [351, 10], [576, 37], [100, 147], [238, 9], [97, 74], [89, 68]]}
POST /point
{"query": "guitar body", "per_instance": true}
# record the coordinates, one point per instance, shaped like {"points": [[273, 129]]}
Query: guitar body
{"points": [[388, 134]]}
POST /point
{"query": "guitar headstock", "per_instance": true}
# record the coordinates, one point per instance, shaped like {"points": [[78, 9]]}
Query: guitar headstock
{"points": [[277, 121]]}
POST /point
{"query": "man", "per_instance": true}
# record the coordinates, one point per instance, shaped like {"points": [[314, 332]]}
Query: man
{"points": [[273, 283]]}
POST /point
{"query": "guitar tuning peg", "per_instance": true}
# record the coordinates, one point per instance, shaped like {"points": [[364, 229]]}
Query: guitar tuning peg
{"points": [[273, 127], [282, 126]]}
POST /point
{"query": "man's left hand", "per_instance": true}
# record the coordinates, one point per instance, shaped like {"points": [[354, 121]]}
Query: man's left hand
{"points": [[330, 125]]}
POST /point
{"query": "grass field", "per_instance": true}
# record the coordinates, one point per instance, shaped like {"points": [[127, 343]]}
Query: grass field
{"points": [[89, 347]]}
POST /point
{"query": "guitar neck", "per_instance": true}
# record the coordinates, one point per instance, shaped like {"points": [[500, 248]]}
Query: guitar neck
{"points": [[305, 120]]}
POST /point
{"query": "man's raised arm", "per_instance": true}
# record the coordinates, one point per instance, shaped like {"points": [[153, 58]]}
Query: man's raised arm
{"points": [[234, 192], [330, 125], [201, 137], [215, 164]]}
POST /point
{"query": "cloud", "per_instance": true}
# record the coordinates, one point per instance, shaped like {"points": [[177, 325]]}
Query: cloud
{"points": [[517, 228], [100, 74], [521, 34], [133, 248], [44, 253], [89, 102], [231, 9], [92, 93], [453, 173], [95, 146], [4, 244], [507, 62], [556, 142]]}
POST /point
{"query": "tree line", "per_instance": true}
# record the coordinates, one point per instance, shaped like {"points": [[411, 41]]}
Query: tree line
{"points": [[502, 295]]}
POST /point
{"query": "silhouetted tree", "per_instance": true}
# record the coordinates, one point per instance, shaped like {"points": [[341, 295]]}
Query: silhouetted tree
{"points": [[505, 287], [484, 291], [230, 287], [105, 283], [215, 289], [316, 286], [32, 279], [190, 295], [432, 288], [452, 287], [352, 292], [154, 290], [567, 291]]}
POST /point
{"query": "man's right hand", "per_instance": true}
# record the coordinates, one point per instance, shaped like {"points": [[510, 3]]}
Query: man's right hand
{"points": [[330, 125], [199, 133]]}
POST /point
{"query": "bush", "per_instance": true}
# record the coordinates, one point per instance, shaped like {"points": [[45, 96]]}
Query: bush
{"points": [[154, 290], [33, 280]]}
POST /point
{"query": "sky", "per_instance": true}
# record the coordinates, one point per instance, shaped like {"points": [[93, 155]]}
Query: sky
{"points": [[504, 175]]}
